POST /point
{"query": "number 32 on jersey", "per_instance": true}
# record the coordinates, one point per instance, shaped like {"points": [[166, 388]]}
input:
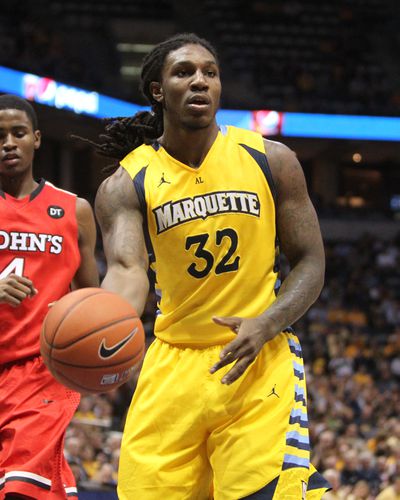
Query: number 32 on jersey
{"points": [[228, 263]]}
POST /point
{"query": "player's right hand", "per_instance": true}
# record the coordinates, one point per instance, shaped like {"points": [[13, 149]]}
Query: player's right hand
{"points": [[14, 289], [251, 335]]}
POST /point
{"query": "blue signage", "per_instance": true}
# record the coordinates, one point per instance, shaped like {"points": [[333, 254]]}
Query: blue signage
{"points": [[52, 93]]}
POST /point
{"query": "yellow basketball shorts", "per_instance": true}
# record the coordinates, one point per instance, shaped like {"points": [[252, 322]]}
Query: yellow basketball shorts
{"points": [[189, 437]]}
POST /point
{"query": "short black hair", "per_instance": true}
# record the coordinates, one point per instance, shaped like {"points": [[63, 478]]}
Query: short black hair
{"points": [[11, 101]]}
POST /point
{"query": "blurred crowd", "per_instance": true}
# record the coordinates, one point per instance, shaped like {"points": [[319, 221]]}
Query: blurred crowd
{"points": [[351, 346], [309, 56], [312, 56], [351, 343]]}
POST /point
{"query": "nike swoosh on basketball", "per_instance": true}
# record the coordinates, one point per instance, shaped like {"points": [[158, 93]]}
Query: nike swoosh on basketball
{"points": [[106, 352]]}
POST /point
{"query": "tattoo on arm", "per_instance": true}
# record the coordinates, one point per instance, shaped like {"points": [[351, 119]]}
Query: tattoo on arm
{"points": [[120, 219], [300, 240]]}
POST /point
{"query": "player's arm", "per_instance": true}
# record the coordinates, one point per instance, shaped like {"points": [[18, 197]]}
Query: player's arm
{"points": [[87, 273], [120, 219], [300, 240]]}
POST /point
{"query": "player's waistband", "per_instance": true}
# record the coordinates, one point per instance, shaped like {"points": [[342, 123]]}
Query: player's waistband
{"points": [[287, 333]]}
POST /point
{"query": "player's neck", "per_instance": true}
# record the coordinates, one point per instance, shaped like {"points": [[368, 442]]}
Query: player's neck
{"points": [[19, 186], [189, 146]]}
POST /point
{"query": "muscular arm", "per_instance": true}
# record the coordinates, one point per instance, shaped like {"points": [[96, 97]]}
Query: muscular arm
{"points": [[300, 239], [301, 242], [87, 274], [118, 212]]}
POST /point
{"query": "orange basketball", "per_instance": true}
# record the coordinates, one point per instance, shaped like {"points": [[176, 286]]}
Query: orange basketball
{"points": [[91, 340]]}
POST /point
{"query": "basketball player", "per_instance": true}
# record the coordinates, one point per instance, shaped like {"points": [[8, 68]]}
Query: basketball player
{"points": [[213, 204], [47, 239]]}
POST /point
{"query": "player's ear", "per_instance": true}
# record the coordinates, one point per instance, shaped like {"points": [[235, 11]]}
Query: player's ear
{"points": [[157, 91], [38, 139]]}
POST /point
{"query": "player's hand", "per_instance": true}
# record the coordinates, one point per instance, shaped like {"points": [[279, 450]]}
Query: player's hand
{"points": [[251, 336], [14, 289]]}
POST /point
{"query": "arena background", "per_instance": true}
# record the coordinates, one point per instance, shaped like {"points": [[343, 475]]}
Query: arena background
{"points": [[317, 57]]}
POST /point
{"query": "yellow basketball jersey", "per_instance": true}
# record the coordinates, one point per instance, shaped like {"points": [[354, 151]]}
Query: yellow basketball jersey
{"points": [[211, 234]]}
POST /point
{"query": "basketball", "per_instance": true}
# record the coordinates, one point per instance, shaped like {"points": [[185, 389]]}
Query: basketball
{"points": [[91, 340]]}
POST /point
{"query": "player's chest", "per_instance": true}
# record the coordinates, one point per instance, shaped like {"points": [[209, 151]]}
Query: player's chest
{"points": [[35, 228], [204, 195]]}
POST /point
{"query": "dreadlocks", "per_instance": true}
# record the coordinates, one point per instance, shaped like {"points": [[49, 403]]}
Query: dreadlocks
{"points": [[123, 134]]}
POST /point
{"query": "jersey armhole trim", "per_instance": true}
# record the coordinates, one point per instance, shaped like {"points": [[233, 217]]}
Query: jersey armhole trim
{"points": [[262, 162], [138, 183]]}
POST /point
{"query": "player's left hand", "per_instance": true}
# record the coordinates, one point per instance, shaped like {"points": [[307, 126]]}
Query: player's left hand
{"points": [[251, 337]]}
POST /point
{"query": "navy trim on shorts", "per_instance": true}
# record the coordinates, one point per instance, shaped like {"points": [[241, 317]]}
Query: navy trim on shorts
{"points": [[266, 493], [298, 370], [297, 417], [293, 461], [297, 444], [317, 481]]}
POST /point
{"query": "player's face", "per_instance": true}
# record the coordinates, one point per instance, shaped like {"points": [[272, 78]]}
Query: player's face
{"points": [[190, 89], [18, 142]]}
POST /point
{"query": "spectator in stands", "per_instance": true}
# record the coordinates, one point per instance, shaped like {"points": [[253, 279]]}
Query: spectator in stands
{"points": [[336, 493], [106, 475], [72, 452], [360, 491], [392, 491]]}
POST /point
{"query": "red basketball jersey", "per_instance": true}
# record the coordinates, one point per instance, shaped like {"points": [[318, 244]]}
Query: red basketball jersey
{"points": [[39, 240]]}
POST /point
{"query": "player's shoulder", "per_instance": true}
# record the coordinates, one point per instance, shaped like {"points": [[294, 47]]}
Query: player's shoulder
{"points": [[55, 198], [114, 192], [138, 159], [243, 136], [284, 165], [113, 185], [277, 151], [50, 187], [279, 156], [83, 207]]}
